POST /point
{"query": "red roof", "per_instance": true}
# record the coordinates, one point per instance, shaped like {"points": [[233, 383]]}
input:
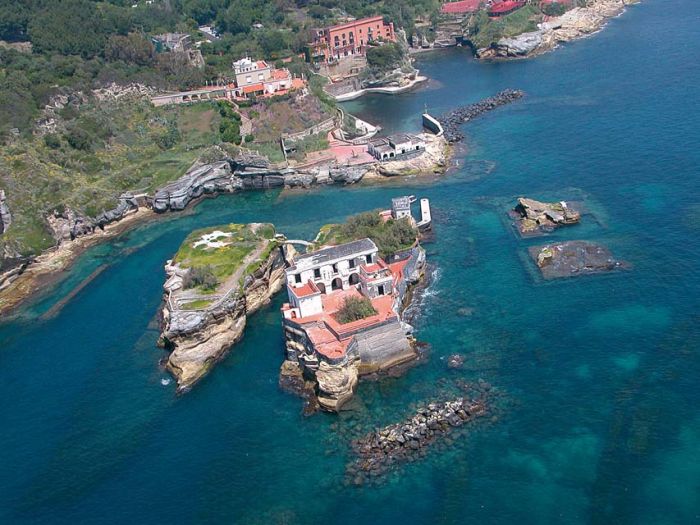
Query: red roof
{"points": [[253, 88], [280, 74], [462, 6], [505, 6], [308, 289]]}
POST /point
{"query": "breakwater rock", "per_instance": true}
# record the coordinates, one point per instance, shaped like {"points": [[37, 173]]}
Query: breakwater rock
{"points": [[452, 121], [378, 451]]}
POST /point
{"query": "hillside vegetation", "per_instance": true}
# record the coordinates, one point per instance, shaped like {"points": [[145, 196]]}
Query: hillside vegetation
{"points": [[94, 154], [390, 236]]}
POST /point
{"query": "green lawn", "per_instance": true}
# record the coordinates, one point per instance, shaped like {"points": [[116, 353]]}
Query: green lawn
{"points": [[224, 261]]}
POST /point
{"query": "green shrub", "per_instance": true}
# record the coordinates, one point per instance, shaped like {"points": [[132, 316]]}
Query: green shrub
{"points": [[249, 137], [355, 308], [80, 139], [52, 140], [202, 277]]}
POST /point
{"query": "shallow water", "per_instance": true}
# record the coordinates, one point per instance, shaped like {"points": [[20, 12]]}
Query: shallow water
{"points": [[597, 375]]}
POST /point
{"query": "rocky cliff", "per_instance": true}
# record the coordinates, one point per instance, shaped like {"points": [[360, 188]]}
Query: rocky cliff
{"points": [[574, 24], [5, 215], [198, 338]]}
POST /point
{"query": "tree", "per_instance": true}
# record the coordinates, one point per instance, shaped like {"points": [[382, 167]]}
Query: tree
{"points": [[134, 48], [70, 27], [355, 308]]}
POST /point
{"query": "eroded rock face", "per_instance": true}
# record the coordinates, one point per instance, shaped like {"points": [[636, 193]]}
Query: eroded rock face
{"points": [[207, 178], [67, 224], [199, 338], [336, 384], [533, 217], [574, 24], [5, 215], [518, 46]]}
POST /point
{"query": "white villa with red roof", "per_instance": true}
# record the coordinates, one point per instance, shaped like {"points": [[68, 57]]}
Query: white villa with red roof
{"points": [[319, 283]]}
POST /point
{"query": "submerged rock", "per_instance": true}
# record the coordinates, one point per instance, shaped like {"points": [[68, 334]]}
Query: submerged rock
{"points": [[568, 259]]}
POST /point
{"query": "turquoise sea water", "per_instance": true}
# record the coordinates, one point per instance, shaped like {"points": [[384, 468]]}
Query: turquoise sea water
{"points": [[598, 376]]}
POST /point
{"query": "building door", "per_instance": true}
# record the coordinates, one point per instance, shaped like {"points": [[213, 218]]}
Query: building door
{"points": [[337, 284]]}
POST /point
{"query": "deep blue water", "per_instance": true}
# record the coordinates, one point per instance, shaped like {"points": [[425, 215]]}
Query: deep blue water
{"points": [[598, 376]]}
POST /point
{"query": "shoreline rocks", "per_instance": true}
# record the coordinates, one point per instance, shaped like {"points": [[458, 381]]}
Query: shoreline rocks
{"points": [[576, 23], [452, 121]]}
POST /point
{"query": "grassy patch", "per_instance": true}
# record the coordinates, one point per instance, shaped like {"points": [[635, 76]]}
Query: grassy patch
{"points": [[484, 31], [237, 242], [199, 304]]}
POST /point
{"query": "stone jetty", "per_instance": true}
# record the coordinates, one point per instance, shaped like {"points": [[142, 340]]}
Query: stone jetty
{"points": [[378, 451], [451, 121]]}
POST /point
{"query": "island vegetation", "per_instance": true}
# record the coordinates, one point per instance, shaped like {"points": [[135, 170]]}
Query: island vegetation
{"points": [[390, 235]]}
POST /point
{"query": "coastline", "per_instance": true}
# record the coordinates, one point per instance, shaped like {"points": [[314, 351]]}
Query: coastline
{"points": [[576, 24], [352, 95], [45, 270]]}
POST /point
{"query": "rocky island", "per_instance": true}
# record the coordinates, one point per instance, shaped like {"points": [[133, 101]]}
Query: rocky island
{"points": [[218, 277], [573, 258], [346, 299], [533, 217]]}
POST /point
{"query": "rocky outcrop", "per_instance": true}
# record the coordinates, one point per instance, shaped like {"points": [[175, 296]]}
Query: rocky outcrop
{"points": [[207, 178], [433, 160], [67, 224], [377, 452], [197, 339], [574, 24], [452, 121], [534, 217], [336, 384], [5, 215], [573, 258]]}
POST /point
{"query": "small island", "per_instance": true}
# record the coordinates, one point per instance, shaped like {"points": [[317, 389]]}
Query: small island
{"points": [[346, 299], [217, 278], [532, 218], [573, 258]]}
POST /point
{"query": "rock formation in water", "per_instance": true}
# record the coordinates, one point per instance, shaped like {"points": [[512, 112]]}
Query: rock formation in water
{"points": [[534, 217], [573, 258], [199, 332]]}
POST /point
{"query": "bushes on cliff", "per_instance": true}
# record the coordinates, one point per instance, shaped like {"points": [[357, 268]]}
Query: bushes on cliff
{"points": [[202, 277], [390, 236], [385, 57], [354, 309]]}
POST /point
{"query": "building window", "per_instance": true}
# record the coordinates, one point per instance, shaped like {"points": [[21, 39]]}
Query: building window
{"points": [[351, 263], [297, 278], [335, 268], [368, 258], [317, 273], [380, 289]]}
